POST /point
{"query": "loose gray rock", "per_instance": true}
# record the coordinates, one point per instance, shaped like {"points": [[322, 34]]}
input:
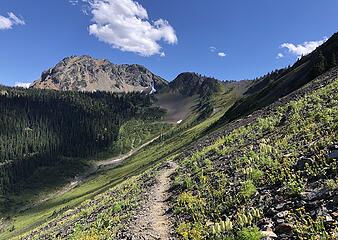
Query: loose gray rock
{"points": [[333, 154], [84, 73]]}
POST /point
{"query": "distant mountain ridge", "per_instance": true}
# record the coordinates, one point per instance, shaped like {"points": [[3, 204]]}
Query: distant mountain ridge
{"points": [[85, 73], [189, 83], [269, 88]]}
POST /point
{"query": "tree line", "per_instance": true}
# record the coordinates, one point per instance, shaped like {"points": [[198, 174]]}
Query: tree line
{"points": [[39, 126]]}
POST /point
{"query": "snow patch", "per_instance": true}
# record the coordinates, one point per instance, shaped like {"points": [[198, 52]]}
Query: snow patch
{"points": [[153, 90], [178, 122], [22, 84]]}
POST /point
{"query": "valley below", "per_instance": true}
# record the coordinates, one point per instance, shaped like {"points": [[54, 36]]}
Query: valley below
{"points": [[94, 150]]}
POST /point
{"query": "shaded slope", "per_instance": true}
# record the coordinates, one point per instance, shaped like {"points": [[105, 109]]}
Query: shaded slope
{"points": [[40, 127], [271, 87], [177, 106], [198, 97], [44, 220], [267, 174], [213, 183]]}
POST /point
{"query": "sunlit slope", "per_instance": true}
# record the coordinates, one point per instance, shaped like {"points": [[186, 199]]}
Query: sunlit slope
{"points": [[269, 88], [258, 172], [270, 174]]}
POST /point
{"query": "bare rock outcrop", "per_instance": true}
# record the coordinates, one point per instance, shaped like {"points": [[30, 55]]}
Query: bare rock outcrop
{"points": [[84, 73]]}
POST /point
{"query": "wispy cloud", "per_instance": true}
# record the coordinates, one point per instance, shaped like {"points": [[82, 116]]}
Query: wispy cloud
{"points": [[279, 56], [9, 21], [221, 54], [212, 49], [303, 49], [125, 25], [74, 2], [22, 84]]}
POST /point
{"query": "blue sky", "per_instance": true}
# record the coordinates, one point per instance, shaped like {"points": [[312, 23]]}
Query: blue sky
{"points": [[232, 39]]}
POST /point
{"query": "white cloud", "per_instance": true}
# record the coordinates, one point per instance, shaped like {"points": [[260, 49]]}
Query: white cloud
{"points": [[125, 25], [280, 55], [303, 49], [162, 54], [85, 10], [10, 21], [74, 2], [221, 54], [21, 84], [212, 49]]}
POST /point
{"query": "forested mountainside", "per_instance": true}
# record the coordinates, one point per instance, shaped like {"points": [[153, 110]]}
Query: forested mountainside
{"points": [[39, 127], [133, 119], [243, 160], [267, 89], [85, 73], [189, 84], [272, 174]]}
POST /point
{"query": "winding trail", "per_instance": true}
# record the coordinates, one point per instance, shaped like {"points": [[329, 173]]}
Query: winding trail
{"points": [[119, 159], [153, 221], [97, 166]]}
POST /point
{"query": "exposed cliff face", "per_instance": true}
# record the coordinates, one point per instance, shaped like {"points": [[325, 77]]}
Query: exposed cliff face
{"points": [[84, 73]]}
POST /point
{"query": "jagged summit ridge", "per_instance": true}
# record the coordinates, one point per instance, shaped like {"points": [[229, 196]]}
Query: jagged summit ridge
{"points": [[85, 73]]}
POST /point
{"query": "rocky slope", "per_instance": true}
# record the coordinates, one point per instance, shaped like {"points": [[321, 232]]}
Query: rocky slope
{"points": [[269, 88], [84, 73], [191, 92], [269, 174], [272, 174]]}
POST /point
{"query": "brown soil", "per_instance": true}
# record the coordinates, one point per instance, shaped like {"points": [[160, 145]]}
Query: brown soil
{"points": [[178, 106], [153, 221]]}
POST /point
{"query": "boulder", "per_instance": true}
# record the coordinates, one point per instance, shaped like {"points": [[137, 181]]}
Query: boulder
{"points": [[302, 162], [333, 154], [282, 214], [269, 235], [284, 228]]}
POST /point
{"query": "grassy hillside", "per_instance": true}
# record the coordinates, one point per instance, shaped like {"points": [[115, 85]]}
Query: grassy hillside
{"points": [[198, 96], [269, 88], [270, 176], [134, 133], [171, 143], [48, 138], [264, 175]]}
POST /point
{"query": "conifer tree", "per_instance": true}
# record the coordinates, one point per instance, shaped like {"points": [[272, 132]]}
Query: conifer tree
{"points": [[38, 127], [333, 60], [320, 65]]}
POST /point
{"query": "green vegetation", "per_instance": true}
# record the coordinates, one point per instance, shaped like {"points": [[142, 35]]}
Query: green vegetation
{"points": [[220, 199], [269, 88], [134, 133], [40, 127], [254, 171], [170, 144], [48, 179]]}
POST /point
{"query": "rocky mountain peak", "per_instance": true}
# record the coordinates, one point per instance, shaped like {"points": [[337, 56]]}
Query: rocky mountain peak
{"points": [[189, 83], [85, 73]]}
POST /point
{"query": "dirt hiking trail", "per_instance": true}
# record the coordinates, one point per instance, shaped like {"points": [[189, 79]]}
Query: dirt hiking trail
{"points": [[153, 221]]}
